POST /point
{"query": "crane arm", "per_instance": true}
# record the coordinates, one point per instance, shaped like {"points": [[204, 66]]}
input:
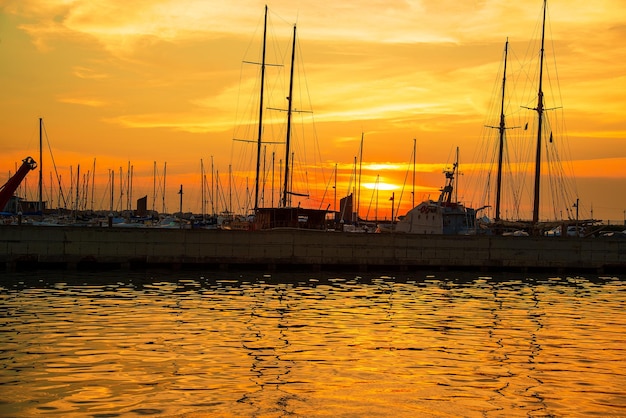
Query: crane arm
{"points": [[7, 190]]}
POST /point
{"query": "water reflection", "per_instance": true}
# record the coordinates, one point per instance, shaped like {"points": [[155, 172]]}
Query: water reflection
{"points": [[159, 344]]}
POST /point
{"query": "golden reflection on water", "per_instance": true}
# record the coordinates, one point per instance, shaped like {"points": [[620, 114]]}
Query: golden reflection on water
{"points": [[102, 345]]}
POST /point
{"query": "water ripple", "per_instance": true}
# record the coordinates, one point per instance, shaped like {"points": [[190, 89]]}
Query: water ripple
{"points": [[108, 345]]}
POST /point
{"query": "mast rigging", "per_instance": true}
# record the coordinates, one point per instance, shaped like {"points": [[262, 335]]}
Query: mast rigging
{"points": [[289, 100], [539, 109]]}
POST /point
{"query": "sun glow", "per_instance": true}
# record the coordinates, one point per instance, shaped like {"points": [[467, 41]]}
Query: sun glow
{"points": [[380, 186], [164, 81]]}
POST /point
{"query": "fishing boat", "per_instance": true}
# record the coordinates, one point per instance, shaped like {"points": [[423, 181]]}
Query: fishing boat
{"points": [[442, 216]]}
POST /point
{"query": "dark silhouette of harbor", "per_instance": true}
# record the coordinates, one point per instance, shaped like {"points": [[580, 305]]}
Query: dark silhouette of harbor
{"points": [[29, 246]]}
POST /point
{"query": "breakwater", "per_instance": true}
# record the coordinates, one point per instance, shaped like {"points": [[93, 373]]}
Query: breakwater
{"points": [[29, 246]]}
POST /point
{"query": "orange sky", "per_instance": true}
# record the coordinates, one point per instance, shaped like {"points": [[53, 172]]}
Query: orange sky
{"points": [[163, 81]]}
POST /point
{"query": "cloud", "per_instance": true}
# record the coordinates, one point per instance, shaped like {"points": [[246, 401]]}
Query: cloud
{"points": [[89, 73], [118, 24], [178, 122], [84, 101]]}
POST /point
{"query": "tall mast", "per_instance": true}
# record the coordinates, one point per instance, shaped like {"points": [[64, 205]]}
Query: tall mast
{"points": [[121, 204], [335, 187], [40, 166], [130, 187], [230, 190], [289, 100], [77, 191], [213, 193], [353, 215], [501, 128], [202, 188], [264, 176], [112, 176], [153, 185], [164, 178], [414, 158], [456, 184], [93, 182], [260, 133], [539, 110], [358, 194], [273, 184]]}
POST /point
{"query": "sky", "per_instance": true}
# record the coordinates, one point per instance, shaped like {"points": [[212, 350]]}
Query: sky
{"points": [[167, 89]]}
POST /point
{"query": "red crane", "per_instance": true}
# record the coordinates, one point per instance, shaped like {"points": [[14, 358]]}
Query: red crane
{"points": [[7, 190]]}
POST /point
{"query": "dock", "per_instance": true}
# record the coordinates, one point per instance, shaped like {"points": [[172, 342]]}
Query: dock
{"points": [[41, 247]]}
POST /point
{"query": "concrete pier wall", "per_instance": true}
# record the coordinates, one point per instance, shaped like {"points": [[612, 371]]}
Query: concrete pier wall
{"points": [[38, 246]]}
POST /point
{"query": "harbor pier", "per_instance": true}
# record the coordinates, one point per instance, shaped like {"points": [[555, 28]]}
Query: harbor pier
{"points": [[28, 247]]}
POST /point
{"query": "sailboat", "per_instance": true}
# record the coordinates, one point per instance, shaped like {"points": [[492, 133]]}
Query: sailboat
{"points": [[284, 216], [534, 225]]}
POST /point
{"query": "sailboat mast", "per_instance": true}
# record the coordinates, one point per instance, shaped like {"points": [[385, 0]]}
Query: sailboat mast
{"points": [[164, 178], [130, 187], [40, 165], [153, 185], [502, 129], [456, 179], [93, 182], [213, 190], [358, 194], [273, 183], [414, 158], [539, 110], [260, 133], [335, 187], [112, 176], [290, 100], [230, 190], [354, 215], [202, 188], [77, 191]]}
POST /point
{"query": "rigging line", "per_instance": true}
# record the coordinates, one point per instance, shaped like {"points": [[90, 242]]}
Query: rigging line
{"points": [[246, 52], [486, 149], [310, 102], [324, 194], [284, 20], [54, 165], [560, 187], [104, 197], [210, 193], [221, 198], [406, 176], [513, 184], [563, 187], [374, 190], [553, 168], [569, 160], [561, 119], [480, 151], [551, 181], [348, 194]]}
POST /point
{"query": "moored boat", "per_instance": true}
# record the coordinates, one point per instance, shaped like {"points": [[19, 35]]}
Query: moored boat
{"points": [[443, 216]]}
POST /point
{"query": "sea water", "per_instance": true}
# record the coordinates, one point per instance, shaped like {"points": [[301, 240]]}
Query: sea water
{"points": [[194, 344]]}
